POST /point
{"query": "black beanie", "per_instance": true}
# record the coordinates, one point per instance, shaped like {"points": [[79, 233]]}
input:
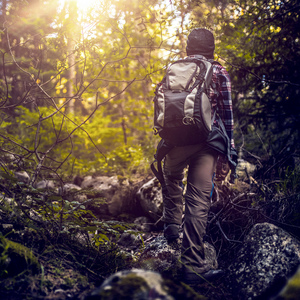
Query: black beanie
{"points": [[201, 41]]}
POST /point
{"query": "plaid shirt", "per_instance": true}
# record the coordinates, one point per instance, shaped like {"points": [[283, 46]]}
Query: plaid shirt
{"points": [[223, 102]]}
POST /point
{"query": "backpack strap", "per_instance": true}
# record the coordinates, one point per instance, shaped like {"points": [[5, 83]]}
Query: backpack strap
{"points": [[163, 148], [231, 153]]}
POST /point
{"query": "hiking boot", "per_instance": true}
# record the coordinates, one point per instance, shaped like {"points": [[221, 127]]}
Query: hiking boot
{"points": [[195, 278], [171, 232]]}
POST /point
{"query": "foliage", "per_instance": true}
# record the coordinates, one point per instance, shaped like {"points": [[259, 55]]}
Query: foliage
{"points": [[16, 258], [88, 94], [76, 95], [265, 75], [257, 43], [60, 233]]}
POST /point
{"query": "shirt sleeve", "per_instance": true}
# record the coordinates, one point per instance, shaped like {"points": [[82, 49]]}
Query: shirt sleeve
{"points": [[224, 100]]}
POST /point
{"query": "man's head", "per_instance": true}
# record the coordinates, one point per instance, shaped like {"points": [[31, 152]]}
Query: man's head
{"points": [[201, 41]]}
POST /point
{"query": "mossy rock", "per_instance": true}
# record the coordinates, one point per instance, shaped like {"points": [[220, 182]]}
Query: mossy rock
{"points": [[292, 289], [142, 284], [15, 258]]}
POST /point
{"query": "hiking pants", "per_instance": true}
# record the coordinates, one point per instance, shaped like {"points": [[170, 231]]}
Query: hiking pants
{"points": [[201, 163]]}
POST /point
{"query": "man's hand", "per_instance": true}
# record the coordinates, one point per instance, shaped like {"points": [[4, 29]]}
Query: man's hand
{"points": [[222, 169]]}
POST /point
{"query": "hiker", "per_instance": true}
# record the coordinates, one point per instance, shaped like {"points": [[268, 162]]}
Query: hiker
{"points": [[202, 161]]}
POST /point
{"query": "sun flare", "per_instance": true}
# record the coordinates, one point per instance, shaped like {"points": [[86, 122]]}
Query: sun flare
{"points": [[82, 5], [86, 4]]}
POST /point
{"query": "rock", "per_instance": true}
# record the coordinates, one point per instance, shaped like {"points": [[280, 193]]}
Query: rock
{"points": [[139, 284], [132, 284], [16, 258], [162, 257], [268, 257], [45, 184], [144, 224], [7, 201], [70, 192], [100, 183], [9, 158], [70, 187], [130, 241], [291, 290], [151, 201], [22, 176], [244, 169], [78, 180], [104, 188], [121, 201]]}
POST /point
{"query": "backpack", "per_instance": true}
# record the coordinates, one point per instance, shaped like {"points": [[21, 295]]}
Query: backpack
{"points": [[182, 112], [182, 109]]}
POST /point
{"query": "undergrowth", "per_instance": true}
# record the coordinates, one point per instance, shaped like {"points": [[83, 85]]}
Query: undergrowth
{"points": [[75, 249]]}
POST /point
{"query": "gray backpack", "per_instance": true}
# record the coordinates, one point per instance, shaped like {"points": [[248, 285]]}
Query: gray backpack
{"points": [[182, 109], [182, 112]]}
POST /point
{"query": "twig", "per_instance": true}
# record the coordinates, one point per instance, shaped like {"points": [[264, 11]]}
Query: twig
{"points": [[225, 236]]}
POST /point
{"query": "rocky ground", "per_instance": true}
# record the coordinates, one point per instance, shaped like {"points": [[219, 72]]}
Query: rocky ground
{"points": [[80, 234]]}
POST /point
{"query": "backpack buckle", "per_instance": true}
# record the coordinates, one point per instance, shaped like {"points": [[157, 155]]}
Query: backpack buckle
{"points": [[188, 121]]}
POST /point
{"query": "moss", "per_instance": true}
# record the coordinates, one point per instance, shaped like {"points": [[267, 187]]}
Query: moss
{"points": [[292, 289], [181, 291], [128, 287], [15, 258]]}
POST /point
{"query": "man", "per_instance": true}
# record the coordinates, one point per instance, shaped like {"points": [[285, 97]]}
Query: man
{"points": [[201, 161]]}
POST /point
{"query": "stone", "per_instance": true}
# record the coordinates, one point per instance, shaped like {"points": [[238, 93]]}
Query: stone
{"points": [[244, 169], [120, 201], [133, 284], [45, 184], [16, 258], [104, 187], [70, 187], [71, 193], [144, 224], [292, 289], [22, 176], [130, 241], [164, 257], [100, 183], [151, 201], [268, 257]]}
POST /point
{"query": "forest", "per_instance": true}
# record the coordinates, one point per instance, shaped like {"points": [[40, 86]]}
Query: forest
{"points": [[77, 81]]}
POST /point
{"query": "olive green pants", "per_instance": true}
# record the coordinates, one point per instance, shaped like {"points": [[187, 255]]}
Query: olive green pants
{"points": [[201, 163]]}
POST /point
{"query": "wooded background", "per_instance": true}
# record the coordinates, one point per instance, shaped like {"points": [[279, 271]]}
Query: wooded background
{"points": [[77, 82]]}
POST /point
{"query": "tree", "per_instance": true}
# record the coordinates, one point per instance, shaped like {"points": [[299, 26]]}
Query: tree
{"points": [[108, 70], [258, 43]]}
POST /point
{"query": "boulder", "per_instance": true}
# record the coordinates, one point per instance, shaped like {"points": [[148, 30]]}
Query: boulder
{"points": [[104, 188], [16, 258], [122, 201], [268, 257], [130, 241], [142, 284], [144, 224], [45, 184], [292, 289], [22, 176], [150, 198], [100, 183], [71, 192], [111, 197], [132, 284], [162, 257], [244, 169]]}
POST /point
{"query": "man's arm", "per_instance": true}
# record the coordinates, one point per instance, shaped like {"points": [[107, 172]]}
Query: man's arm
{"points": [[226, 112]]}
